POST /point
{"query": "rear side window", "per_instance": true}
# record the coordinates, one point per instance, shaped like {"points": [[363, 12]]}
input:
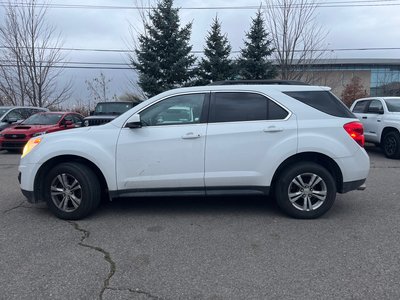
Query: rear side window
{"points": [[238, 106], [360, 106], [323, 101]]}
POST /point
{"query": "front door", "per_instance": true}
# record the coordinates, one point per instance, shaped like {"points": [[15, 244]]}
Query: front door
{"points": [[167, 152]]}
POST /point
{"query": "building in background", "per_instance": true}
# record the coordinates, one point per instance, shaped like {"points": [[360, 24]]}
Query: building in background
{"points": [[380, 77]]}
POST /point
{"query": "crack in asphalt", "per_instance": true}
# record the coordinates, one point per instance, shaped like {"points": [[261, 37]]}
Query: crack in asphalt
{"points": [[107, 256], [20, 206], [12, 208], [137, 291]]}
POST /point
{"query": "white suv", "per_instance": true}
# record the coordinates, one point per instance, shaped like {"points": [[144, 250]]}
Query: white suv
{"points": [[381, 119], [296, 142]]}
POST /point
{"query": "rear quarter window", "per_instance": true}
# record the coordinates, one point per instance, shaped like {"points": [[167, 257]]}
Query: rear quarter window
{"points": [[323, 101]]}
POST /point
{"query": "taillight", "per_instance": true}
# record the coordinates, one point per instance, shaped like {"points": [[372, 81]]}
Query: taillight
{"points": [[356, 131]]}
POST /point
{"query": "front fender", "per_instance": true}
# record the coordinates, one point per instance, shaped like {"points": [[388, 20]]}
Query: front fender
{"points": [[97, 146]]}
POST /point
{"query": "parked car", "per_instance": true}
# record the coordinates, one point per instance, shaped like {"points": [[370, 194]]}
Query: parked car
{"points": [[381, 119], [10, 115], [14, 138], [298, 143], [105, 112]]}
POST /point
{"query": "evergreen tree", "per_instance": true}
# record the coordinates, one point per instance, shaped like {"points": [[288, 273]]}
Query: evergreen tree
{"points": [[163, 53], [216, 64], [254, 60]]}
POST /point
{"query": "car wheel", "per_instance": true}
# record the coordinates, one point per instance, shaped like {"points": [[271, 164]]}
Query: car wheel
{"points": [[72, 191], [391, 144], [305, 190]]}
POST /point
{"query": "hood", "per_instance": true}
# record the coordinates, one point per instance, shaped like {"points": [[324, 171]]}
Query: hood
{"points": [[28, 129]]}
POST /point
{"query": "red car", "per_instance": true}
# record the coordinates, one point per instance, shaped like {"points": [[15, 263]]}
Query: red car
{"points": [[14, 138]]}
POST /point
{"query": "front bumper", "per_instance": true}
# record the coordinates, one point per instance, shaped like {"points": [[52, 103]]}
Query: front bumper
{"points": [[30, 196], [353, 185]]}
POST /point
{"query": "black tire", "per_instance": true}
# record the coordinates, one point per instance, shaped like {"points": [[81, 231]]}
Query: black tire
{"points": [[86, 188], [391, 144], [307, 202]]}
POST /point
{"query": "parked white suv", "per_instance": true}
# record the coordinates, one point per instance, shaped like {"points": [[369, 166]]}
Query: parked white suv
{"points": [[381, 119], [296, 142]]}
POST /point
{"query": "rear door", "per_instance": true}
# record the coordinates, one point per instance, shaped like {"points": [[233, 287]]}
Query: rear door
{"points": [[246, 132]]}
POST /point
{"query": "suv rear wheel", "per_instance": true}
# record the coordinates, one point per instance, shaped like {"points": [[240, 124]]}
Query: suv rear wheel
{"points": [[72, 191], [391, 144], [305, 190]]}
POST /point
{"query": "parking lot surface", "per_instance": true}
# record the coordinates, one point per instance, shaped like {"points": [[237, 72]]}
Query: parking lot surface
{"points": [[196, 248]]}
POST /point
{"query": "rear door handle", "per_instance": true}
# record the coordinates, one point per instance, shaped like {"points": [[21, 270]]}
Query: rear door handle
{"points": [[190, 135], [364, 117], [273, 129]]}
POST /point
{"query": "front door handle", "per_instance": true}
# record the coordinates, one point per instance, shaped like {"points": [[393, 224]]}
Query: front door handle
{"points": [[190, 135], [273, 129], [364, 117]]}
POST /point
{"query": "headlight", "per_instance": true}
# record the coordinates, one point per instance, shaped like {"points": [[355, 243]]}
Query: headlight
{"points": [[86, 123], [39, 133], [32, 143]]}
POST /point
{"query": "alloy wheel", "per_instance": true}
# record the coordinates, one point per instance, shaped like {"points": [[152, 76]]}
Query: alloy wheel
{"points": [[307, 192], [66, 192]]}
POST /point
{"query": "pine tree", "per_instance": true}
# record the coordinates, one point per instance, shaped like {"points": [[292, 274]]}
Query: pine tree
{"points": [[216, 64], [163, 53], [254, 60]]}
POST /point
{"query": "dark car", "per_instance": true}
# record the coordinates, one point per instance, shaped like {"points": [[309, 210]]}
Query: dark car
{"points": [[10, 115], [106, 112], [14, 138]]}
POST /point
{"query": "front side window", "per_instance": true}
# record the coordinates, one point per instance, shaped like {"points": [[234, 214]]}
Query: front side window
{"points": [[182, 109], [242, 106], [360, 107]]}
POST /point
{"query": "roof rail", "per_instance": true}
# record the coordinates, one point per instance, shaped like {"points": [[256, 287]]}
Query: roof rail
{"points": [[256, 82]]}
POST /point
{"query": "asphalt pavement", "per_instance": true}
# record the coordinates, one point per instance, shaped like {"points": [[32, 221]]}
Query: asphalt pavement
{"points": [[197, 248]]}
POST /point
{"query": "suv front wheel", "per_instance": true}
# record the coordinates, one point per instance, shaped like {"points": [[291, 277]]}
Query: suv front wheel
{"points": [[72, 191], [305, 190]]}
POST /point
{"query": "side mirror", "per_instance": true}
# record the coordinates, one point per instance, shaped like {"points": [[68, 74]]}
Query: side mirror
{"points": [[134, 122], [66, 123], [375, 110], [91, 113]]}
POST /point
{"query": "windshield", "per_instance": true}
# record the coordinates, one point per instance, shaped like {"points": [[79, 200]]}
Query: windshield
{"points": [[3, 111], [112, 108], [393, 104], [43, 119]]}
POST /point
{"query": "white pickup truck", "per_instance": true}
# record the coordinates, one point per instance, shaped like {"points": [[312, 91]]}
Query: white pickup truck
{"points": [[381, 119]]}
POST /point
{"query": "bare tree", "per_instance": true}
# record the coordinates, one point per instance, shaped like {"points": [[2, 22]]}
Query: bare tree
{"points": [[31, 59], [99, 89], [296, 35]]}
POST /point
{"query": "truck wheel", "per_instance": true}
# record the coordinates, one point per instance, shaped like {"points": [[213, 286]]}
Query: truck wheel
{"points": [[391, 144], [72, 191], [305, 190]]}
